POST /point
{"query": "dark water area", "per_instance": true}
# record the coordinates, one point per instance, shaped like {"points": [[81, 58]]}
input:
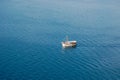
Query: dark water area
{"points": [[31, 33]]}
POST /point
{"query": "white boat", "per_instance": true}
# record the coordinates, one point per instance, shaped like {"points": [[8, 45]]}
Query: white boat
{"points": [[68, 43]]}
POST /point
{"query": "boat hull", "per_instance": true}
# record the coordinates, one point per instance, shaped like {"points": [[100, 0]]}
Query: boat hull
{"points": [[69, 44]]}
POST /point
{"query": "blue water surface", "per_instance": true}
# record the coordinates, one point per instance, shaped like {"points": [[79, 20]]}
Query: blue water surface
{"points": [[31, 32]]}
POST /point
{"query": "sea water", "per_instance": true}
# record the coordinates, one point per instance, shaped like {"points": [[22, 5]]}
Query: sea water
{"points": [[31, 32]]}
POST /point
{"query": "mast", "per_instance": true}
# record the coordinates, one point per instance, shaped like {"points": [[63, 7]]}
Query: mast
{"points": [[66, 38]]}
